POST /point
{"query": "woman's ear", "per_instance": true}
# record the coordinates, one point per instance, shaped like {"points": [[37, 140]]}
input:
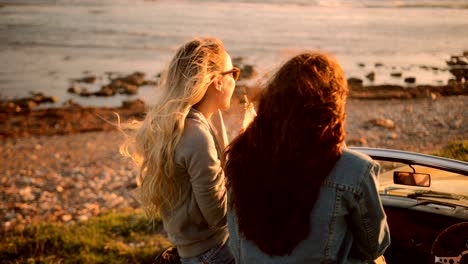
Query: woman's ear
{"points": [[218, 84]]}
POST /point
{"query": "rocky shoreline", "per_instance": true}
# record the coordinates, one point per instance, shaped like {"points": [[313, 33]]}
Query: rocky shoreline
{"points": [[112, 83], [383, 92], [19, 120], [51, 171], [67, 120]]}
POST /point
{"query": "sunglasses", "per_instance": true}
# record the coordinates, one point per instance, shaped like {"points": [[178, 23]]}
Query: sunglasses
{"points": [[235, 73]]}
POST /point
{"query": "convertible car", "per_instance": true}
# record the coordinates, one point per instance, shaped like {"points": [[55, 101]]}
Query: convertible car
{"points": [[426, 202]]}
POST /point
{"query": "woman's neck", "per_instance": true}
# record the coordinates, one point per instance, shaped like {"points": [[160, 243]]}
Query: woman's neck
{"points": [[205, 109]]}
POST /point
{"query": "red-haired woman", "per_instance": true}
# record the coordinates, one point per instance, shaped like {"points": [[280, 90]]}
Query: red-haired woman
{"points": [[296, 193]]}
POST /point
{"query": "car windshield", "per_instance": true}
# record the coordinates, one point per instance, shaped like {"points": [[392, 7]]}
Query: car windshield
{"points": [[444, 185]]}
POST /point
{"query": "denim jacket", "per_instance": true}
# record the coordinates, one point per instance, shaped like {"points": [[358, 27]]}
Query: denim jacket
{"points": [[348, 223]]}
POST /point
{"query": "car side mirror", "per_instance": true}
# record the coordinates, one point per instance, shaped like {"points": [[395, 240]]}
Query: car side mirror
{"points": [[412, 178]]}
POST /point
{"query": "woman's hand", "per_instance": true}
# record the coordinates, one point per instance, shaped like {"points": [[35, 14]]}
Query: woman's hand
{"points": [[249, 114]]}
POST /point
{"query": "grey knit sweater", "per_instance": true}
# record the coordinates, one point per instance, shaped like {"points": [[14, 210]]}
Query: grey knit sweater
{"points": [[199, 223]]}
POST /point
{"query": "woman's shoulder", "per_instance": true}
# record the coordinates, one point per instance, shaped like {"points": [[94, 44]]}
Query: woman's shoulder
{"points": [[355, 156], [196, 137], [195, 133], [351, 167]]}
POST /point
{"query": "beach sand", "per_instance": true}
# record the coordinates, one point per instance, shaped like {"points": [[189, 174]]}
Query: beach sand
{"points": [[64, 174]]}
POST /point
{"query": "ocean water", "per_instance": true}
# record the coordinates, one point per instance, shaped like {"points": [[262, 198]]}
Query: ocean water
{"points": [[44, 44]]}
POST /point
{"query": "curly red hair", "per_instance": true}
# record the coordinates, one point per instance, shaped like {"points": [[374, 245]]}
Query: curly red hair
{"points": [[275, 168]]}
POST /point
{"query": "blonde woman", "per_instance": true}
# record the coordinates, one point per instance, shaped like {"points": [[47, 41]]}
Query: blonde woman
{"points": [[179, 152]]}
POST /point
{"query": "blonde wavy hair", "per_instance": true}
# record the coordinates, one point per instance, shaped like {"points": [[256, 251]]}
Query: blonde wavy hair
{"points": [[154, 140]]}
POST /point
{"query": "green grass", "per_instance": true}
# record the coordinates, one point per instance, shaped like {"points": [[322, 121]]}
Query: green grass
{"points": [[124, 237], [456, 150]]}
